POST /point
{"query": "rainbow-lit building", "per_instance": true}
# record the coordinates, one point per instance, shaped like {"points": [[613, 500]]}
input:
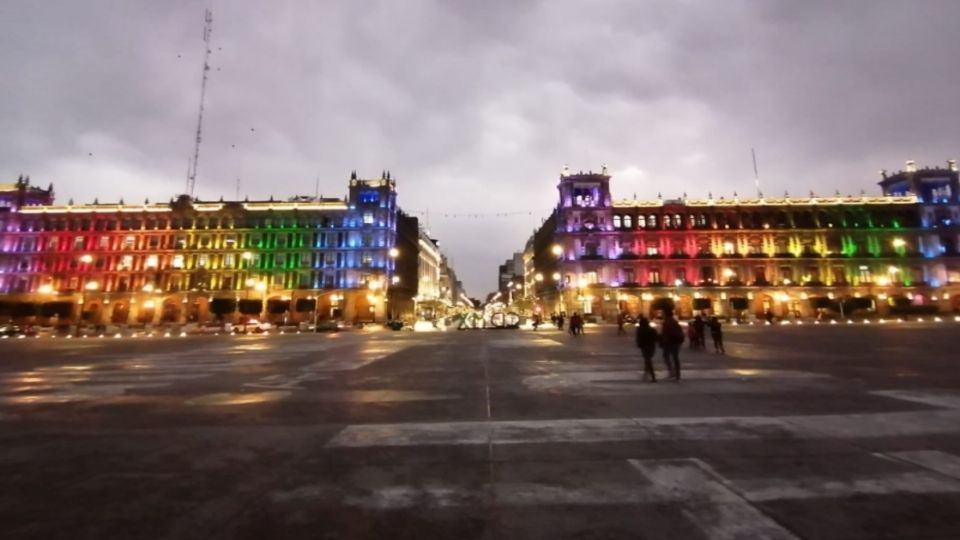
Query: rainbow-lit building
{"points": [[189, 260], [895, 252]]}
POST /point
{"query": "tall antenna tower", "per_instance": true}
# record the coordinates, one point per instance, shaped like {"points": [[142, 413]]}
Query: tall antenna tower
{"points": [[756, 173], [207, 30]]}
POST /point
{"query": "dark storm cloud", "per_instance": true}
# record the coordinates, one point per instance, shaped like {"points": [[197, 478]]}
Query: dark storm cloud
{"points": [[475, 106]]}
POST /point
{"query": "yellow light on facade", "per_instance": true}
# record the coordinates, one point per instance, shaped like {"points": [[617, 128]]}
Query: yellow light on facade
{"points": [[393, 253], [557, 250], [149, 304], [395, 280], [91, 286], [893, 269], [803, 296], [86, 259], [899, 242], [883, 281], [247, 255], [538, 277], [261, 286], [728, 273], [556, 276], [148, 288], [45, 289], [250, 282]]}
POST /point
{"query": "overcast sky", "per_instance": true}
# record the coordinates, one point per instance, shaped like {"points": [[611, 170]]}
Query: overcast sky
{"points": [[476, 106]]}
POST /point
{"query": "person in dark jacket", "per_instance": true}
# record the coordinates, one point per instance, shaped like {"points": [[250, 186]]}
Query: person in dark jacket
{"points": [[716, 332], [647, 339], [699, 330], [671, 338]]}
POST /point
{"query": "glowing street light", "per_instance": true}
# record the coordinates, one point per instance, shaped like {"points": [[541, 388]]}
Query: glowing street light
{"points": [[393, 253], [538, 277], [556, 276], [557, 250]]}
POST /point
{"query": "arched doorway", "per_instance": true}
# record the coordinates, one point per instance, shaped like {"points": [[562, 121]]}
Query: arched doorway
{"points": [[684, 308], [146, 312], [762, 303], [91, 313], [171, 311], [197, 309], [120, 313]]}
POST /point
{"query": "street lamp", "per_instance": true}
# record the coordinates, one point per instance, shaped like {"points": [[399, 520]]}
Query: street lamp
{"points": [[557, 250]]}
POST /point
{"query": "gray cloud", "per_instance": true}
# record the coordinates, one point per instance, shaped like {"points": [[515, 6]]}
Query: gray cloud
{"points": [[475, 106]]}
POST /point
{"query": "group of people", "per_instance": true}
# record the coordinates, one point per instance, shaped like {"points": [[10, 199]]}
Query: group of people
{"points": [[670, 339], [576, 323], [697, 330]]}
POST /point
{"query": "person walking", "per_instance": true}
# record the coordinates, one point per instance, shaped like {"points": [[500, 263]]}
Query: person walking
{"points": [[576, 324], [671, 338], [621, 320], [699, 329], [647, 342], [560, 319], [716, 332]]}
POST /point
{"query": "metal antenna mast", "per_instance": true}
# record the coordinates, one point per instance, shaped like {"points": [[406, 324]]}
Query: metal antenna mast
{"points": [[207, 30], [756, 174]]}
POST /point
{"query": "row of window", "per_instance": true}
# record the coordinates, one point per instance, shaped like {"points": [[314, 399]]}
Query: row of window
{"points": [[779, 220], [25, 224], [206, 261], [785, 275], [227, 241]]}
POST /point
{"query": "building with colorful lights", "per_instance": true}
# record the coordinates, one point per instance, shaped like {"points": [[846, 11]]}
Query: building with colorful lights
{"points": [[785, 256], [191, 260]]}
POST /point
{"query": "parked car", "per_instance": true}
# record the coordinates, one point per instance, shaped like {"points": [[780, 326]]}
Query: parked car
{"points": [[329, 326], [210, 328], [252, 327]]}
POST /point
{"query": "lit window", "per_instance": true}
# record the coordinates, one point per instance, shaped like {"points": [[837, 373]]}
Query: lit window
{"points": [[652, 251], [151, 261], [616, 222], [203, 260], [126, 262], [627, 222], [228, 260], [78, 242], [177, 261], [368, 218], [129, 241]]}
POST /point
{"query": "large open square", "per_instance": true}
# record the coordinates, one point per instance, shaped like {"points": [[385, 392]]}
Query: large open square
{"points": [[829, 431]]}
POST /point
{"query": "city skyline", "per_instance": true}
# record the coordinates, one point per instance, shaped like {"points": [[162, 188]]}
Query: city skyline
{"points": [[474, 111]]}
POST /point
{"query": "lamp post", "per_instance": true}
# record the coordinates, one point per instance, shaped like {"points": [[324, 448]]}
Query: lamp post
{"points": [[393, 279], [261, 286]]}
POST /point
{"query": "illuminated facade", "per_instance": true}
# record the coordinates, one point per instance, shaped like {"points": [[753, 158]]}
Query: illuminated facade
{"points": [[193, 261], [786, 255]]}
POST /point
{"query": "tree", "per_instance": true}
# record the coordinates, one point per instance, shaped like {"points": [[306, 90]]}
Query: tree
{"points": [[250, 307], [277, 307], [222, 307], [56, 309], [305, 305]]}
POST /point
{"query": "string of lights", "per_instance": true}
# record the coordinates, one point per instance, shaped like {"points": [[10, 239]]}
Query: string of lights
{"points": [[477, 215]]}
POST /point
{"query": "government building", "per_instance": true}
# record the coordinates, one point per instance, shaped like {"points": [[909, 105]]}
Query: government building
{"points": [[896, 252], [359, 258]]}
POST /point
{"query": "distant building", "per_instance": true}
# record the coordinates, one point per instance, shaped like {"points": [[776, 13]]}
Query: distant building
{"points": [[786, 255], [192, 260]]}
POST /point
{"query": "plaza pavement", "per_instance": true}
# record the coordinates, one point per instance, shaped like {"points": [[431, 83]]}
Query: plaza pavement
{"points": [[843, 431]]}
